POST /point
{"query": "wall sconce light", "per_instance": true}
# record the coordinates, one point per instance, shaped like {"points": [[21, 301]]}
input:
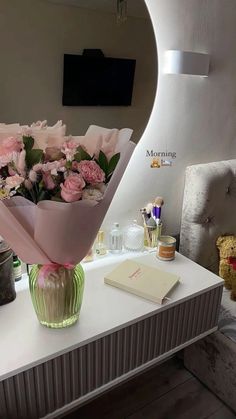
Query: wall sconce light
{"points": [[186, 62]]}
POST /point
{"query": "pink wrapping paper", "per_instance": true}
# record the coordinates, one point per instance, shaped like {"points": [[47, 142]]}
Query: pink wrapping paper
{"points": [[54, 231]]}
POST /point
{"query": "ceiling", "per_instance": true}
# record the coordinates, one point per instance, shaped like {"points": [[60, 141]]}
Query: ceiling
{"points": [[136, 8]]}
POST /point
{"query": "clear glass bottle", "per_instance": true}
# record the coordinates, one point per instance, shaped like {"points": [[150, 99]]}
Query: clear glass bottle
{"points": [[115, 239], [100, 247], [134, 237], [17, 269]]}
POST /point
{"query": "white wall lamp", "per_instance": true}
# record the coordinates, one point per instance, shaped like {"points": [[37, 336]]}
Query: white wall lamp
{"points": [[186, 62]]}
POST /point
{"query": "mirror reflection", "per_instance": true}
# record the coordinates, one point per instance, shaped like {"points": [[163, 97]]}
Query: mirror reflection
{"points": [[35, 35]]}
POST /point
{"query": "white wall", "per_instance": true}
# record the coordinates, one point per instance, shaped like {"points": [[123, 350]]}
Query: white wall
{"points": [[193, 116], [34, 36]]}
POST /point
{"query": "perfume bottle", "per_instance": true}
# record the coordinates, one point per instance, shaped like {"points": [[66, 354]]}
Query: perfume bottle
{"points": [[100, 247], [17, 271], [134, 237], [115, 239], [89, 256]]}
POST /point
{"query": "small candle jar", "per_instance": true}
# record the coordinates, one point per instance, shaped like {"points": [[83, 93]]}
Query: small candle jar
{"points": [[166, 248], [134, 237]]}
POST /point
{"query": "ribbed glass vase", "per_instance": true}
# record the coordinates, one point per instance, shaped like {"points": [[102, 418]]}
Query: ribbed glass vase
{"points": [[57, 299]]}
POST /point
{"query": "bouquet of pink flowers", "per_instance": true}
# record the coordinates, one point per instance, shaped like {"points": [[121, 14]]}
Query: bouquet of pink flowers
{"points": [[67, 173], [59, 194]]}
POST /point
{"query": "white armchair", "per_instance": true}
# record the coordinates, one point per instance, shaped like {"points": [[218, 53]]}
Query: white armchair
{"points": [[209, 210]]}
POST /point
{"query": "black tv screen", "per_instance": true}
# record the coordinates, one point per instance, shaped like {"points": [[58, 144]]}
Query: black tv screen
{"points": [[97, 81]]}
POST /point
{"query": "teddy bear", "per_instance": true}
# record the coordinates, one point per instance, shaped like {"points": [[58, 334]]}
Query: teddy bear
{"points": [[227, 269]]}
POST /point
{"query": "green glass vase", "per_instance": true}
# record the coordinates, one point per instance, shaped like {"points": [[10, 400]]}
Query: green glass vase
{"points": [[57, 301]]}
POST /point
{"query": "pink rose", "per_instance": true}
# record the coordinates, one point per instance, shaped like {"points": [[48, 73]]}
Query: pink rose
{"points": [[91, 172], [9, 145], [14, 181], [48, 181], [71, 190]]}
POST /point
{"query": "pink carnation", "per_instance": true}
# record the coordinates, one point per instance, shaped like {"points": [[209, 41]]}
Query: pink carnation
{"points": [[9, 145], [91, 172], [71, 190]]}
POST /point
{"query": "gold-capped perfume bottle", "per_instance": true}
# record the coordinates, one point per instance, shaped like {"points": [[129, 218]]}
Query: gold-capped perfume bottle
{"points": [[89, 256], [100, 247]]}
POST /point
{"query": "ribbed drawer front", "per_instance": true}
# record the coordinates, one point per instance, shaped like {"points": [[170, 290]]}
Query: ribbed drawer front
{"points": [[47, 387]]}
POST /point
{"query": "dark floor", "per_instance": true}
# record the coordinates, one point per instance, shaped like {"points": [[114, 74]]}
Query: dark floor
{"points": [[167, 391]]}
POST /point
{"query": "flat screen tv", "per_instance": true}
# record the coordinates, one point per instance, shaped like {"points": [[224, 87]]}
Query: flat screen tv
{"points": [[97, 81]]}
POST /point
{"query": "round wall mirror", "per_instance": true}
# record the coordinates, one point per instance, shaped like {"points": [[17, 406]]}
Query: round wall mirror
{"points": [[35, 35]]}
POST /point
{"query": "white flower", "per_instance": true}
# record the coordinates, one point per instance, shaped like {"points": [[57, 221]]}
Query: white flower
{"points": [[92, 194], [20, 164], [32, 176], [54, 172], [8, 158], [14, 181], [100, 186]]}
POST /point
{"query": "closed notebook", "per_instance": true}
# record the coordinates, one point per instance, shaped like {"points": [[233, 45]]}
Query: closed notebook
{"points": [[142, 280]]}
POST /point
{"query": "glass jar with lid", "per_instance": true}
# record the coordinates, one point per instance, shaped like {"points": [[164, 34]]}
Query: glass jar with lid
{"points": [[134, 237]]}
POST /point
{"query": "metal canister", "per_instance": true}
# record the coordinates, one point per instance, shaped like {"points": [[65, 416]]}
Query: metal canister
{"points": [[166, 246], [7, 283]]}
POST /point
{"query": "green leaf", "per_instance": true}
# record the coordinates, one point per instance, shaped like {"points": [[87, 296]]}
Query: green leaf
{"points": [[68, 165], [33, 157], [28, 143], [77, 157], [57, 199], [113, 163], [81, 155], [103, 162], [43, 195]]}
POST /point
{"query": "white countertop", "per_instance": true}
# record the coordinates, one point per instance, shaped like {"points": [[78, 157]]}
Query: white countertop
{"points": [[25, 343]]}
